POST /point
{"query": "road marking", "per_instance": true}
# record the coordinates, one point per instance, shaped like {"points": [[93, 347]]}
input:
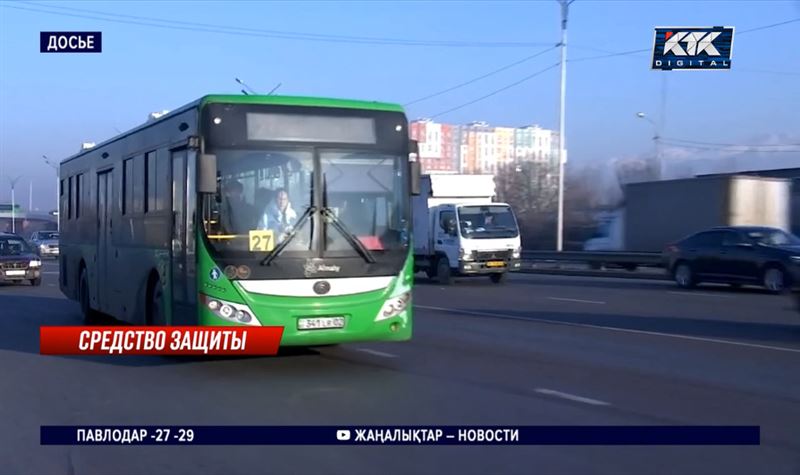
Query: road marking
{"points": [[571, 397], [577, 300], [376, 353], [51, 285], [616, 329], [49, 272], [699, 294]]}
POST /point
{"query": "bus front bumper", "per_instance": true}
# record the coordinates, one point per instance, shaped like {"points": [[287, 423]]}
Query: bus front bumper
{"points": [[360, 317]]}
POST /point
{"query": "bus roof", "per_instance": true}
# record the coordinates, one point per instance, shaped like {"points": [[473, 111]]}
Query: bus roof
{"points": [[253, 99]]}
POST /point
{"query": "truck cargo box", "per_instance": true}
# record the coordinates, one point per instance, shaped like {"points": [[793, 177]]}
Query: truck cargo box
{"points": [[658, 213]]}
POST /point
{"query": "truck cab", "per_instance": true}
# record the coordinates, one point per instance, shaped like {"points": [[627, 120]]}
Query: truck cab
{"points": [[609, 235], [460, 231]]}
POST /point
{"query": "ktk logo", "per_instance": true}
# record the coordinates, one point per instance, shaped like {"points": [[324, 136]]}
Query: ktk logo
{"points": [[696, 43], [692, 48]]}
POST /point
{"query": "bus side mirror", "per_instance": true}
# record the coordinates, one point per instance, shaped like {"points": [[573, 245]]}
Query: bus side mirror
{"points": [[414, 167], [207, 174]]}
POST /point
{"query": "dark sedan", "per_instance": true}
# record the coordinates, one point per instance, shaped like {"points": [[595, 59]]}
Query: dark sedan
{"points": [[736, 255], [18, 261]]}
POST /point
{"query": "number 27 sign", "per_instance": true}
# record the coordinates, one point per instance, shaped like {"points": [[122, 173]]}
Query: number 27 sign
{"points": [[262, 240]]}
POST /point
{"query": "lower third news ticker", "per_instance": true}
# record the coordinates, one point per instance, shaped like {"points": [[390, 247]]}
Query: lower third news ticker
{"points": [[118, 341], [400, 435]]}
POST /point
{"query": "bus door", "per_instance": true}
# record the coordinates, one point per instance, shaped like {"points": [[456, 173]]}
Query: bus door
{"points": [[105, 273], [178, 278]]}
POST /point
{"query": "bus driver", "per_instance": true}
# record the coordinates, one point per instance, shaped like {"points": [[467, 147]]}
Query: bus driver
{"points": [[279, 216]]}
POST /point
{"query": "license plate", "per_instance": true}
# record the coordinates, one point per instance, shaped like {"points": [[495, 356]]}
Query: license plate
{"points": [[320, 323], [495, 264], [14, 273]]}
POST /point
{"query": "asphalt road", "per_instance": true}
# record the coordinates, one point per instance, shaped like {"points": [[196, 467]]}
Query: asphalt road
{"points": [[540, 349]]}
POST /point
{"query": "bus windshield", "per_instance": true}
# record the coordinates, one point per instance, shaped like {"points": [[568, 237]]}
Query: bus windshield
{"points": [[487, 222], [268, 197]]}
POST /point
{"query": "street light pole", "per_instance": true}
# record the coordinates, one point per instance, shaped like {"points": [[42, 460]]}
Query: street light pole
{"points": [[58, 192], [561, 126], [656, 142], [13, 182]]}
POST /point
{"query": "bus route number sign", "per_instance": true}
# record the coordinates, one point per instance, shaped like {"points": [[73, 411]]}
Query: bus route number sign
{"points": [[262, 240]]}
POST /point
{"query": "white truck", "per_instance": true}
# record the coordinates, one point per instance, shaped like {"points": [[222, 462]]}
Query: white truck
{"points": [[459, 230]]}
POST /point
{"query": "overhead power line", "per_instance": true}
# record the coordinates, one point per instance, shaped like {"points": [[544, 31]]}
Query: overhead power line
{"points": [[609, 55], [254, 32], [766, 27], [497, 91], [483, 76]]}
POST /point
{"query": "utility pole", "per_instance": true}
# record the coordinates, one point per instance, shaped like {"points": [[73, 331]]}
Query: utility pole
{"points": [[30, 196], [13, 182], [561, 139]]}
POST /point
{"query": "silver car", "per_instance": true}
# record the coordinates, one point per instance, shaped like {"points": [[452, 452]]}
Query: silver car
{"points": [[46, 242]]}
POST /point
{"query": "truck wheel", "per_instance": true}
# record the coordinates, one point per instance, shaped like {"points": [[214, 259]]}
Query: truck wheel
{"points": [[497, 278], [443, 274], [683, 275]]}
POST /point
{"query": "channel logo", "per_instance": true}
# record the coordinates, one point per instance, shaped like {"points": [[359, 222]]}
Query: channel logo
{"points": [[343, 434], [692, 48]]}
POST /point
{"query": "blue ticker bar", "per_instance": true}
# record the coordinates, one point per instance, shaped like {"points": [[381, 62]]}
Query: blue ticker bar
{"points": [[400, 435]]}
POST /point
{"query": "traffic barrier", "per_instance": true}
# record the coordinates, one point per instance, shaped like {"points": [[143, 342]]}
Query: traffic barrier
{"points": [[632, 265]]}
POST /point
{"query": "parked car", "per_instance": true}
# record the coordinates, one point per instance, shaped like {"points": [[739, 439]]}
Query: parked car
{"points": [[736, 255], [19, 261], [46, 243]]}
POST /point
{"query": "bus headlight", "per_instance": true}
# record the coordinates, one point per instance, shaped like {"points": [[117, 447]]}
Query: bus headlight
{"points": [[229, 311], [394, 306], [35, 263]]}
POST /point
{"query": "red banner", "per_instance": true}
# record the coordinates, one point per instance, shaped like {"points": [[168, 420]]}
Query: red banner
{"points": [[159, 340]]}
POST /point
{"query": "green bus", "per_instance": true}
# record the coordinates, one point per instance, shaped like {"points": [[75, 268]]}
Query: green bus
{"points": [[248, 210]]}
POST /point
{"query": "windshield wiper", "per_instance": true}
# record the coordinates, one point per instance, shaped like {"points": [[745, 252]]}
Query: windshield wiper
{"points": [[298, 225], [355, 242]]}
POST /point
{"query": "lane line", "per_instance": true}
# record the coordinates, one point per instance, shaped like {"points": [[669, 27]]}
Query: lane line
{"points": [[49, 272], [699, 294], [615, 329], [376, 353], [562, 299], [571, 397]]}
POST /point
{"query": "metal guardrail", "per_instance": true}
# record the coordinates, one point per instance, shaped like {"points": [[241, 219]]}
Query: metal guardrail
{"points": [[644, 259]]}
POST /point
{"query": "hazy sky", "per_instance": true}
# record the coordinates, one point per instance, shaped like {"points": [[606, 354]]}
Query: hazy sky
{"points": [[50, 103]]}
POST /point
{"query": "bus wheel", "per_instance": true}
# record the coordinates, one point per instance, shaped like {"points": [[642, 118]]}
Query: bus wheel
{"points": [[155, 304], [89, 315]]}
